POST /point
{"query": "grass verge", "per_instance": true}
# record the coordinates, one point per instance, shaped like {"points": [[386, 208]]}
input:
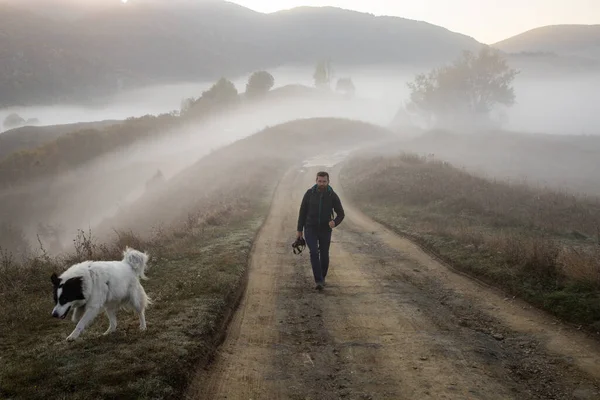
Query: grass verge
{"points": [[196, 277], [538, 244]]}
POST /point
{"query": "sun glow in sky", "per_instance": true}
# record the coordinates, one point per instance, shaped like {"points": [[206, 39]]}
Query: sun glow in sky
{"points": [[488, 21]]}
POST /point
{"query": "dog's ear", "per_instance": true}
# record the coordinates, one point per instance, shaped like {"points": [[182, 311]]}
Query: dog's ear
{"points": [[54, 279]]}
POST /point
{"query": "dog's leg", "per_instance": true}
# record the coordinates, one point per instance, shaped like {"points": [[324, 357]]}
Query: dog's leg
{"points": [[77, 313], [142, 320], [111, 313], [88, 316], [139, 301]]}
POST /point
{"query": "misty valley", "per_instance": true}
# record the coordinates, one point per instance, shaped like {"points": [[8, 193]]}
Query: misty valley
{"points": [[467, 264]]}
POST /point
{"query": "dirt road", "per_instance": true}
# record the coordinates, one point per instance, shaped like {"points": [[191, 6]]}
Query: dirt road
{"points": [[392, 323]]}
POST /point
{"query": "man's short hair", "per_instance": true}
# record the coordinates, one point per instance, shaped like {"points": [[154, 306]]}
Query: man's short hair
{"points": [[322, 173]]}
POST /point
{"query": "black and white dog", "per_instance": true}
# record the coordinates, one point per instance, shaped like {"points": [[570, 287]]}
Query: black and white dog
{"points": [[92, 286]]}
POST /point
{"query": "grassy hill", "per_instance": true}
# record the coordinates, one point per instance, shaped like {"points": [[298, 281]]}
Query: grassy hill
{"points": [[40, 61], [29, 137], [562, 162], [538, 244], [87, 54], [198, 229], [285, 144], [78, 147], [566, 40]]}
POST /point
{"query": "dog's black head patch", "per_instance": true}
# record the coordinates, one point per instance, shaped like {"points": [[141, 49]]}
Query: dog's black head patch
{"points": [[70, 290]]}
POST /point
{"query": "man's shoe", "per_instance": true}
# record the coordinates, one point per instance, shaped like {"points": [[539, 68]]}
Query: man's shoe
{"points": [[319, 286]]}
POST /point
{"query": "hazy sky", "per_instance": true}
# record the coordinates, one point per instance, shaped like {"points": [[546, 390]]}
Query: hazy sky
{"points": [[488, 21]]}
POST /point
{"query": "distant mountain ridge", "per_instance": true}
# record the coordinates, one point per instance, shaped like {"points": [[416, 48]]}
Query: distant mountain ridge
{"points": [[564, 40], [74, 51], [63, 51]]}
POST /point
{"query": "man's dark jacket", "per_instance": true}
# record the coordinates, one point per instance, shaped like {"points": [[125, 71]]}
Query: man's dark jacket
{"points": [[316, 209]]}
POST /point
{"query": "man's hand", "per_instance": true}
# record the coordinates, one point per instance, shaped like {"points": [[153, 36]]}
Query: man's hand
{"points": [[332, 224], [299, 234]]}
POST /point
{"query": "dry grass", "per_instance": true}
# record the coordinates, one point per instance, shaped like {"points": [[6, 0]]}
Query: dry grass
{"points": [[198, 260], [539, 244], [195, 276]]}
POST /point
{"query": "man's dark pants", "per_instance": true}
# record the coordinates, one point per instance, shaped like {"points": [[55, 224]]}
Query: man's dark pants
{"points": [[318, 241]]}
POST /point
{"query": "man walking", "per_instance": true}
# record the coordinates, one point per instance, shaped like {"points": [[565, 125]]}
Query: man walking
{"points": [[316, 219]]}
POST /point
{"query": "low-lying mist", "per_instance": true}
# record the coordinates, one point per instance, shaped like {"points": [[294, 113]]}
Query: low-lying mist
{"points": [[81, 198], [562, 103], [373, 87]]}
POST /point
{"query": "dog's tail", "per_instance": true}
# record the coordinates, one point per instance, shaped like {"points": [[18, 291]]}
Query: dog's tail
{"points": [[137, 260]]}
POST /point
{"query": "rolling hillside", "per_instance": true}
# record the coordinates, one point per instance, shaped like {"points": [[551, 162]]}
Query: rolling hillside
{"points": [[31, 137], [75, 54], [38, 62], [564, 40]]}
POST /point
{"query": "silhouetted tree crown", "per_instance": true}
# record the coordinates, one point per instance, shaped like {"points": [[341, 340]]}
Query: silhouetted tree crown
{"points": [[259, 83], [222, 91], [468, 89]]}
